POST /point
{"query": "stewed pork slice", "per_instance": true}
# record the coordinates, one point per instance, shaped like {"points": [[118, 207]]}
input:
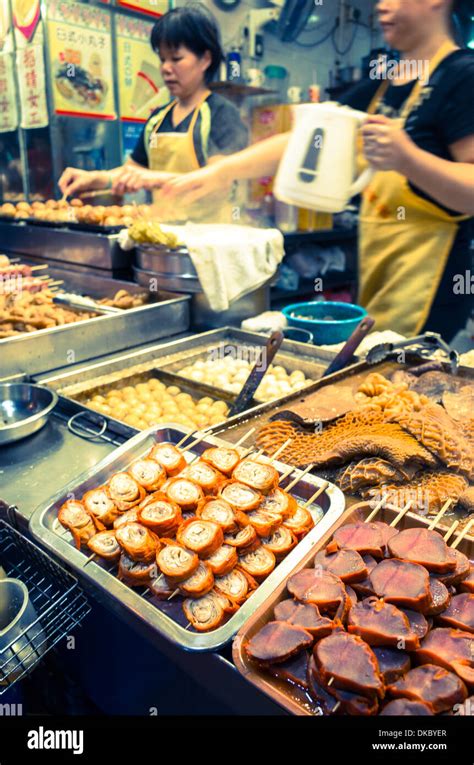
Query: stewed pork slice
{"points": [[432, 685], [440, 597], [259, 563], [406, 708], [280, 503], [125, 491], [393, 663], [244, 539], [176, 563], [419, 545], [202, 537], [169, 457], [160, 514], [364, 588], [387, 531], [258, 475], [294, 670], [300, 522], [74, 516], [467, 584], [348, 565], [380, 623], [404, 584], [240, 496], [351, 594], [277, 642], [351, 662], [100, 505], [199, 583], [264, 524], [280, 542], [364, 538], [304, 615], [222, 458], [138, 542], [451, 649], [135, 573], [223, 560], [204, 613], [207, 477], [334, 700], [184, 493], [148, 473], [105, 545], [219, 511], [160, 587], [418, 622], [461, 571], [460, 613], [236, 585], [129, 516], [320, 587]]}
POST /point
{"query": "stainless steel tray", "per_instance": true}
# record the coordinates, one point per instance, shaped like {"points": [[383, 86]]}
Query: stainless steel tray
{"points": [[167, 617]]}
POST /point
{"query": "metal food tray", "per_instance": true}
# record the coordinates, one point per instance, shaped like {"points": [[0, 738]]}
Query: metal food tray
{"points": [[167, 617], [291, 697]]}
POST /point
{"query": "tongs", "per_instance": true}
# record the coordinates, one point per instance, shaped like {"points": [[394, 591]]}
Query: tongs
{"points": [[265, 358], [422, 345], [80, 303]]}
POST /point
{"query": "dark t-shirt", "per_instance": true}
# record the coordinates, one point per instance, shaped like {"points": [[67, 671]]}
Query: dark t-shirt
{"points": [[444, 115], [226, 134]]}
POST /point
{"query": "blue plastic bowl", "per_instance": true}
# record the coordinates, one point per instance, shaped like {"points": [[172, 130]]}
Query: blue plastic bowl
{"points": [[342, 319]]}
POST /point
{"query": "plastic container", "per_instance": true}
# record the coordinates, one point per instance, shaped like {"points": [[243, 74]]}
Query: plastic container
{"points": [[277, 79], [330, 322]]}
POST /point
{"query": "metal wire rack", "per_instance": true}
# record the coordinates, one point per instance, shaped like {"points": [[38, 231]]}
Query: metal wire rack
{"points": [[55, 594]]}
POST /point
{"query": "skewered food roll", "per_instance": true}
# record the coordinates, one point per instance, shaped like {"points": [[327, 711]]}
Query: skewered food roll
{"points": [[243, 539], [105, 544], [300, 522], [204, 613], [125, 491], [280, 502], [240, 496], [176, 563], [135, 573], [184, 493], [74, 516], [207, 477], [202, 537], [148, 473], [219, 511], [223, 459], [264, 523], [127, 517], [223, 560], [259, 563], [160, 587], [139, 543], [199, 583], [160, 514], [236, 585], [280, 542], [100, 504], [259, 476], [169, 457]]}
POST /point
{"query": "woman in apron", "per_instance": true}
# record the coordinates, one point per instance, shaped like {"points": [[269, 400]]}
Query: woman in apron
{"points": [[416, 214], [197, 127]]}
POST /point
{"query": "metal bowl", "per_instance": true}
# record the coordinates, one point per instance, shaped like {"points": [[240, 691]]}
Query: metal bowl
{"points": [[24, 409]]}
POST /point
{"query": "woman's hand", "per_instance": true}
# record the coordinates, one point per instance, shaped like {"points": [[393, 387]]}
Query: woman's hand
{"points": [[132, 178], [74, 180], [193, 186], [386, 145]]}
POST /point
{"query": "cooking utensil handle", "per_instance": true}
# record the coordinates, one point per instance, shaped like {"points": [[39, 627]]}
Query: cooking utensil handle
{"points": [[346, 353], [82, 431], [266, 356]]}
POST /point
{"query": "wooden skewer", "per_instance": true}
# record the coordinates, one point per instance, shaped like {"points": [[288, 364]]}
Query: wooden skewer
{"points": [[38, 268], [280, 450], [185, 438], [56, 283], [174, 593], [336, 707], [377, 508], [247, 452], [400, 515], [204, 434], [91, 557], [286, 474], [244, 438], [451, 530], [437, 518], [330, 682], [316, 494], [259, 454], [299, 477], [463, 533], [188, 626]]}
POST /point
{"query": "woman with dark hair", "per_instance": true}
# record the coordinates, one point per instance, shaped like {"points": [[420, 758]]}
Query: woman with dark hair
{"points": [[195, 129]]}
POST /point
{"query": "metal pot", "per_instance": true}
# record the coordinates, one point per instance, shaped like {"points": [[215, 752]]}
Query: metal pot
{"points": [[24, 409]]}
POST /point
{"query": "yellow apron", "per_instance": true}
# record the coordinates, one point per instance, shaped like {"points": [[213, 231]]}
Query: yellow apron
{"points": [[176, 153], [404, 240]]}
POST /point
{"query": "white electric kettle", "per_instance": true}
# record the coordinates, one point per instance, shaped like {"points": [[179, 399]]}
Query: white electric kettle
{"points": [[318, 167]]}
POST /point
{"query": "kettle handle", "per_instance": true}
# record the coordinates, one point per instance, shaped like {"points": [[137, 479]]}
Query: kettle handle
{"points": [[362, 181]]}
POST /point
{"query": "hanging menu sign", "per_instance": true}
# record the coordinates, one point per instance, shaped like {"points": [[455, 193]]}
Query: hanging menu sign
{"points": [[150, 7], [32, 82], [8, 108], [80, 50], [141, 88]]}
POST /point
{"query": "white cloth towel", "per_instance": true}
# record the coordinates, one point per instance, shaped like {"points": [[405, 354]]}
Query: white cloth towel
{"points": [[232, 260]]}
